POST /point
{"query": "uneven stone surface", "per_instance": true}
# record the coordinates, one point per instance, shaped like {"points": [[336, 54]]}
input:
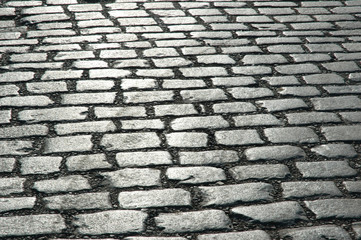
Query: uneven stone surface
{"points": [[174, 120], [193, 221]]}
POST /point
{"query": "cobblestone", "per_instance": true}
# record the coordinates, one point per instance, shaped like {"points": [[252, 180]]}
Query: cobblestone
{"points": [[234, 194], [193, 221], [176, 120], [282, 212], [112, 221], [154, 198], [262, 172], [31, 225]]}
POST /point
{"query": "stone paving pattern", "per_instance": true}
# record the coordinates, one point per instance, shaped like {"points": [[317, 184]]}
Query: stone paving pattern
{"points": [[175, 120]]}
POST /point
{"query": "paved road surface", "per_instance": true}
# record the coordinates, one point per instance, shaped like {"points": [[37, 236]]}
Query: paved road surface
{"points": [[174, 120]]}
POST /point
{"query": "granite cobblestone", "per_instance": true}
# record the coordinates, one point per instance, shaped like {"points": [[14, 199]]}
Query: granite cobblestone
{"points": [[173, 120]]}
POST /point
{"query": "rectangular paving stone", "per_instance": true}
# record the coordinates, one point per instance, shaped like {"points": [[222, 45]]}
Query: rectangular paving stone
{"points": [[278, 153], [312, 118], [9, 90], [187, 139], [70, 183], [325, 231], [201, 95], [118, 112], [80, 143], [336, 103], [124, 141], [298, 69], [291, 135], [203, 71], [335, 150], [7, 164], [342, 133], [84, 127], [98, 200], [280, 212], [252, 70], [238, 137], [234, 107], [309, 189], [88, 98], [195, 221], [325, 78], [133, 177], [131, 159], [108, 73], [234, 194], [23, 131], [335, 208], [262, 172], [5, 116], [249, 93], [16, 147], [40, 165], [148, 96], [111, 222], [198, 122], [154, 198], [31, 225], [174, 110], [208, 157], [195, 175], [53, 114], [11, 185], [19, 203], [246, 235], [325, 169], [46, 87], [87, 162], [142, 124], [256, 120], [26, 101]]}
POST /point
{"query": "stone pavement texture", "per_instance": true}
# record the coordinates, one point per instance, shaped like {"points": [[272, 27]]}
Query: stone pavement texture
{"points": [[175, 120]]}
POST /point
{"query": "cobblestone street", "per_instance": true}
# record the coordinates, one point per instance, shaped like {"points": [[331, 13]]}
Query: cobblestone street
{"points": [[180, 120]]}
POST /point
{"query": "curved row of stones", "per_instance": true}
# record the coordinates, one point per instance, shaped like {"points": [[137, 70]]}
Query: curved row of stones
{"points": [[173, 120]]}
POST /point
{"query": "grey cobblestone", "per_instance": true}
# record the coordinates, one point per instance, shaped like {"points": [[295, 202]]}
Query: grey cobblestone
{"points": [[248, 235], [310, 189], [40, 165], [328, 231], [193, 221], [111, 221], [325, 169], [63, 184], [335, 150], [233, 194], [81, 201], [342, 133], [130, 159], [154, 198], [79, 143], [195, 175], [291, 135], [31, 225], [238, 137], [281, 212], [53, 114], [11, 185], [9, 204], [87, 162], [16, 147], [262, 172], [335, 208], [256, 120], [284, 152], [353, 186], [123, 141], [208, 157], [7, 164], [132, 177]]}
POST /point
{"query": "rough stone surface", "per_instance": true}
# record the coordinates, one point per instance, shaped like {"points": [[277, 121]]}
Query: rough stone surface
{"points": [[113, 221], [274, 153], [335, 208], [281, 212], [132, 177], [319, 232], [193, 221], [81, 201]]}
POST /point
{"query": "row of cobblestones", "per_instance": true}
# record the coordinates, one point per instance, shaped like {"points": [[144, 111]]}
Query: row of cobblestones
{"points": [[174, 120]]}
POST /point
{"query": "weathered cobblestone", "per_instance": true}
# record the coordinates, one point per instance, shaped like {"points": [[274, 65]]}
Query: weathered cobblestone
{"points": [[248, 235], [327, 231], [129, 159], [9, 204], [123, 141], [112, 221], [325, 169], [233, 194], [40, 165], [281, 212], [195, 175], [335, 208], [63, 184], [31, 225], [173, 108], [262, 172], [310, 189], [193, 221], [274, 153], [154, 198], [81, 201], [132, 177], [87, 162]]}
